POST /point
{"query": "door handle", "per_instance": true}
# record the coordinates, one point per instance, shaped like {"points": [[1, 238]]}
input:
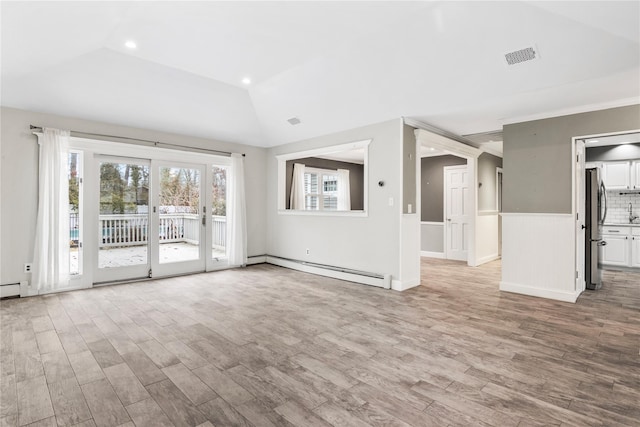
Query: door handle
{"points": [[204, 220], [602, 243], [449, 219]]}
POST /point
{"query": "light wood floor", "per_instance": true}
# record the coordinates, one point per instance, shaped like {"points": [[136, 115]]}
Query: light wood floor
{"points": [[267, 346]]}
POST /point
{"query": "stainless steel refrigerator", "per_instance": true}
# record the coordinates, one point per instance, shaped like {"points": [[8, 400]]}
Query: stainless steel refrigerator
{"points": [[596, 213]]}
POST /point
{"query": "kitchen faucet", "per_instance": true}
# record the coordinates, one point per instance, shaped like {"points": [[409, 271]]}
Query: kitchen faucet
{"points": [[632, 217]]}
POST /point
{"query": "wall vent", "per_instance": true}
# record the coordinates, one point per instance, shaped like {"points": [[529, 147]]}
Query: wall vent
{"points": [[294, 121], [523, 55]]}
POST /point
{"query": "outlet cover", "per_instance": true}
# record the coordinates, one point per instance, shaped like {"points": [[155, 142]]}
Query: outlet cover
{"points": [[28, 267]]}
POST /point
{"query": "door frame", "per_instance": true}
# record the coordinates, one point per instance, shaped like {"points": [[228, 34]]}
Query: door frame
{"points": [[427, 138], [447, 229], [576, 184], [91, 148], [499, 183]]}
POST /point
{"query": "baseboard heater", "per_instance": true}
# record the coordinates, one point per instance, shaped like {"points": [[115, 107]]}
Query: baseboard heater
{"points": [[10, 290], [348, 274]]}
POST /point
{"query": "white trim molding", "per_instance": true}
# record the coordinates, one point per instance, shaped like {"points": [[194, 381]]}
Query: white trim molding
{"points": [[492, 151], [443, 143], [400, 286], [488, 258], [538, 255], [540, 292], [429, 254]]}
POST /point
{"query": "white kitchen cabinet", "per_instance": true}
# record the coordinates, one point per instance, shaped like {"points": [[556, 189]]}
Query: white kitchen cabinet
{"points": [[617, 175], [635, 247], [635, 175], [617, 250]]}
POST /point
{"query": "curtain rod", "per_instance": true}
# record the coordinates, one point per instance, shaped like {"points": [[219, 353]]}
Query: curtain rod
{"points": [[155, 143]]}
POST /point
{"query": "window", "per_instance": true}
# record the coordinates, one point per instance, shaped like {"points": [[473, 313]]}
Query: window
{"points": [[320, 189]]}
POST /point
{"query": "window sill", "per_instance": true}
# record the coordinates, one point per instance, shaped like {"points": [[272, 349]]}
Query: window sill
{"points": [[295, 212]]}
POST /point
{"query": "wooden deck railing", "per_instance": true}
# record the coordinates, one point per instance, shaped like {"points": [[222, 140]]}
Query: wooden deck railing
{"points": [[119, 230]]}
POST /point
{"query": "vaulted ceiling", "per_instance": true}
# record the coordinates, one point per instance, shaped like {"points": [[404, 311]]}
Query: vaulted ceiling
{"points": [[333, 65]]}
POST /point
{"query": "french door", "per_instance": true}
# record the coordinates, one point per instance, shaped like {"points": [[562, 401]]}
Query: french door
{"points": [[178, 219], [124, 221], [158, 218]]}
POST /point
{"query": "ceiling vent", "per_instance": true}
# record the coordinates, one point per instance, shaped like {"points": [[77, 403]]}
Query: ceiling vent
{"points": [[522, 55], [294, 121]]}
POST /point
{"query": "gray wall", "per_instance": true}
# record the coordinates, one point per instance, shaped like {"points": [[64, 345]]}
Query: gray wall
{"points": [[19, 181], [368, 243], [432, 183], [537, 157], [613, 152], [487, 164], [356, 178], [409, 192]]}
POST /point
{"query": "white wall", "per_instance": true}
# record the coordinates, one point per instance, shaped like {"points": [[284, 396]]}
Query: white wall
{"points": [[487, 245], [19, 181], [545, 265], [370, 243]]}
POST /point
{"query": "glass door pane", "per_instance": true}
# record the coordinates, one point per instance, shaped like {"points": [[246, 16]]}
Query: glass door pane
{"points": [[219, 213], [123, 222], [179, 214], [74, 169]]}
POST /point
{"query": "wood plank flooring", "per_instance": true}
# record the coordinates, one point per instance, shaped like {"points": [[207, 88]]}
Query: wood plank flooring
{"points": [[267, 346]]}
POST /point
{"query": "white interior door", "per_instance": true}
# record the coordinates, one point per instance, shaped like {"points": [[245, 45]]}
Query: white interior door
{"points": [[456, 212], [581, 212], [179, 219]]}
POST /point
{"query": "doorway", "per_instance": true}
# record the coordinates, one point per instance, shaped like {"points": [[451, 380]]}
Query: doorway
{"points": [[433, 142], [616, 156], [143, 217]]}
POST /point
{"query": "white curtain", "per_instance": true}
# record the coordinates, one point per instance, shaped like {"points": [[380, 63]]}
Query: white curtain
{"points": [[51, 249], [344, 190], [297, 187], [236, 213]]}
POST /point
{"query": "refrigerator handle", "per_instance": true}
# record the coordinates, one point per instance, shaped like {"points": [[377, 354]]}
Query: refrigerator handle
{"points": [[604, 198]]}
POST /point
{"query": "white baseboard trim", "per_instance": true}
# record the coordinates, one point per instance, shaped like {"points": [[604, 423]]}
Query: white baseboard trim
{"points": [[10, 290], [432, 254], [357, 278], [256, 260], [397, 285], [486, 259], [538, 292]]}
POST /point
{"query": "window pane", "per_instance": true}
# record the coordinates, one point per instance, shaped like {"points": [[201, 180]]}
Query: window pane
{"points": [[311, 203], [330, 203], [311, 183], [179, 230], [124, 214], [330, 183]]}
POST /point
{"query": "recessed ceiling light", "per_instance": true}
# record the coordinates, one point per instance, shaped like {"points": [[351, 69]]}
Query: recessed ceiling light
{"points": [[130, 44], [246, 81], [432, 149]]}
